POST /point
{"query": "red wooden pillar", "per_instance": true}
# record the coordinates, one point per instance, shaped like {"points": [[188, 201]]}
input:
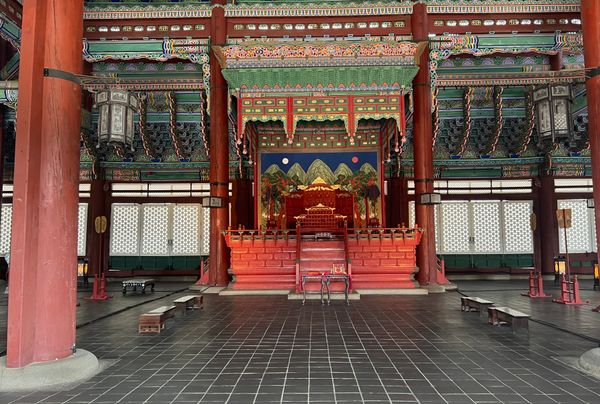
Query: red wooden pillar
{"points": [[242, 206], [423, 151], [1, 156], [97, 249], [590, 15], [41, 307], [546, 240], [397, 203], [219, 153]]}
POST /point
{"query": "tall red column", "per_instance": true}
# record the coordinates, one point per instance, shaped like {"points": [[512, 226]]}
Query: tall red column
{"points": [[397, 203], [41, 306], [423, 151], [546, 240], [590, 16], [219, 153], [242, 205], [1, 156], [97, 244]]}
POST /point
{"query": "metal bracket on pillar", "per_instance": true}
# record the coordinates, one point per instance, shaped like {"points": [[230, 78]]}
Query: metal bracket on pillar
{"points": [[61, 74]]}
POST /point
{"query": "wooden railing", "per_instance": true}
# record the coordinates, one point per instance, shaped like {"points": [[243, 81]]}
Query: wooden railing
{"points": [[387, 232], [257, 234]]}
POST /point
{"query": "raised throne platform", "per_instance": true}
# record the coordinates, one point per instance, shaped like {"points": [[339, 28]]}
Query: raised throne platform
{"points": [[379, 258], [321, 199]]}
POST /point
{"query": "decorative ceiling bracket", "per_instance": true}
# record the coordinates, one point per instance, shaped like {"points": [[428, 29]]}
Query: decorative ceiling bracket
{"points": [[194, 50], [10, 32], [484, 45]]}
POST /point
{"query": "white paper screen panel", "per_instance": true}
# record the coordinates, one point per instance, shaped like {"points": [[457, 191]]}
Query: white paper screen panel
{"points": [[82, 229], [412, 216], [518, 237], [155, 229], [455, 227], [124, 229], [205, 231], [579, 235], [5, 229], [486, 227], [436, 221], [186, 223]]}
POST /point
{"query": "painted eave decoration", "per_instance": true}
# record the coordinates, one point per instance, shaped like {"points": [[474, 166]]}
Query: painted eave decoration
{"points": [[260, 66], [317, 9], [126, 11], [194, 50], [501, 6]]}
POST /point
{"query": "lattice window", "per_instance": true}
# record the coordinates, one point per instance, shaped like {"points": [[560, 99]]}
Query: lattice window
{"points": [[412, 216], [579, 235], [155, 229], [518, 237], [436, 216], [186, 223], [455, 227], [124, 229], [486, 227], [82, 229], [5, 229], [205, 231], [593, 226]]}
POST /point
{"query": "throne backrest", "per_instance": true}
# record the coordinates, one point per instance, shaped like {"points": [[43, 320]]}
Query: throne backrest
{"points": [[321, 196]]}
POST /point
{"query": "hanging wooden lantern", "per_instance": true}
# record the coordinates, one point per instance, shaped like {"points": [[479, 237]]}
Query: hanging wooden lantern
{"points": [[553, 112], [115, 121]]}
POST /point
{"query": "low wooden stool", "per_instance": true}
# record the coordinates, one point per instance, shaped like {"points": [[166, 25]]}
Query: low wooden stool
{"points": [[189, 302]]}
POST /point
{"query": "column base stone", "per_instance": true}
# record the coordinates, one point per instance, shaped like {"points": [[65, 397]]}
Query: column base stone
{"points": [[53, 375], [590, 361]]}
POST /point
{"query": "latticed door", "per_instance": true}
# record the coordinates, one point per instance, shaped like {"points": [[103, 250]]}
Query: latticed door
{"points": [[185, 229], [159, 229], [487, 234], [125, 229], [82, 229], [155, 230], [6, 229], [455, 228], [581, 236], [518, 236]]}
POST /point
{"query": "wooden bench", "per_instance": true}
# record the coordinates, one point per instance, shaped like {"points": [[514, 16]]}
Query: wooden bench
{"points": [[135, 283], [469, 303], [154, 321], [518, 320], [189, 302]]}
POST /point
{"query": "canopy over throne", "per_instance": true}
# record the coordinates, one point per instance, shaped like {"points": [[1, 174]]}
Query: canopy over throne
{"points": [[320, 195]]}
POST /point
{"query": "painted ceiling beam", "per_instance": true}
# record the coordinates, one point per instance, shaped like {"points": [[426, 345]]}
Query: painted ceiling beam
{"points": [[510, 79]]}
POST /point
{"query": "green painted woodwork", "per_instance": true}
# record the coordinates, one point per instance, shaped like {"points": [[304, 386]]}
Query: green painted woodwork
{"points": [[484, 172], [481, 113], [170, 175], [128, 263], [488, 261], [315, 77], [511, 41], [10, 69], [125, 47], [10, 31]]}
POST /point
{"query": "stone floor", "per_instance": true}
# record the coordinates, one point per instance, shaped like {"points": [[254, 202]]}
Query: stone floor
{"points": [[380, 349]]}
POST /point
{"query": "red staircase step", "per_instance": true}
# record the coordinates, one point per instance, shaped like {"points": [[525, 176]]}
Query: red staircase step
{"points": [[322, 255]]}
